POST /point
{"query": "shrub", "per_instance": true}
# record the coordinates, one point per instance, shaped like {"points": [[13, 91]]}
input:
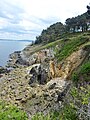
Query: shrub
{"points": [[9, 112], [75, 77], [85, 68], [82, 74]]}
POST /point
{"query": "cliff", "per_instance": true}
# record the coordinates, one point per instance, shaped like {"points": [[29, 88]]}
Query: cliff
{"points": [[42, 76]]}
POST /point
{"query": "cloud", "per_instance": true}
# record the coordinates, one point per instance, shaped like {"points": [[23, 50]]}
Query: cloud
{"points": [[25, 19], [10, 12]]}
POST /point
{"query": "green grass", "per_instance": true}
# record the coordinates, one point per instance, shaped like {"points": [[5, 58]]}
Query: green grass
{"points": [[67, 113], [68, 43], [10, 112], [85, 68], [70, 46], [82, 74]]}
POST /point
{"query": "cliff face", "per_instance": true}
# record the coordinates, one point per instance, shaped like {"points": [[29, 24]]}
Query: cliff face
{"points": [[40, 82], [71, 62]]}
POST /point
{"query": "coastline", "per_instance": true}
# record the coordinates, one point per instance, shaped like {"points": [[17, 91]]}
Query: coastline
{"points": [[11, 63], [9, 47], [38, 83]]}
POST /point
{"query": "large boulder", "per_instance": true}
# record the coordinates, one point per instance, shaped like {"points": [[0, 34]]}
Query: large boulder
{"points": [[38, 74], [56, 88]]}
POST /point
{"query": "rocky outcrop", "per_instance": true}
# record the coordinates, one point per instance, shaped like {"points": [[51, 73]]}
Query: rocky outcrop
{"points": [[13, 59], [39, 84], [52, 69], [48, 97], [42, 97], [25, 58], [38, 74], [41, 56], [65, 69], [57, 87], [3, 71]]}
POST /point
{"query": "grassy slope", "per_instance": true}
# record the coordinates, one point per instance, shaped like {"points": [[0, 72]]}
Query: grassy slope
{"points": [[77, 98], [66, 45]]}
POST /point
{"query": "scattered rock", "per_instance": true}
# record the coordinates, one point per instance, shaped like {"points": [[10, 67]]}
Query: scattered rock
{"points": [[29, 86]]}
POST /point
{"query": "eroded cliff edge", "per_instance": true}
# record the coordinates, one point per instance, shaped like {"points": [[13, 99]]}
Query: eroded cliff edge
{"points": [[41, 75]]}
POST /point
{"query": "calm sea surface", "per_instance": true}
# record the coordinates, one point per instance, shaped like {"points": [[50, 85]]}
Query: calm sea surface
{"points": [[7, 47]]}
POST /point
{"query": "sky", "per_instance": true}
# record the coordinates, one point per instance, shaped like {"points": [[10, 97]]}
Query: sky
{"points": [[25, 19]]}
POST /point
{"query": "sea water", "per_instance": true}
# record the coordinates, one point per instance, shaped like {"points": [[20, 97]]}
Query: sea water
{"points": [[7, 47]]}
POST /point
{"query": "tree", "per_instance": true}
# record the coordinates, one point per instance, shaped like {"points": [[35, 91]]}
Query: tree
{"points": [[88, 11], [51, 33]]}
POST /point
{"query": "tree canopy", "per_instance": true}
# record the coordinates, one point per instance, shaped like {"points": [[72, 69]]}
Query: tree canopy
{"points": [[80, 23], [51, 33]]}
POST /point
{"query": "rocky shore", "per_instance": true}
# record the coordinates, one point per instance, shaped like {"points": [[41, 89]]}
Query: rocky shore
{"points": [[38, 83]]}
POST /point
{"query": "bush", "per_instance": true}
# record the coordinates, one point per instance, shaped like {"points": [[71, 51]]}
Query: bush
{"points": [[75, 77], [9, 112], [82, 74], [85, 68]]}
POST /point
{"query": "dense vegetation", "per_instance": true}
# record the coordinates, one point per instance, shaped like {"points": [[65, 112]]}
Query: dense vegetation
{"points": [[10, 112], [51, 34], [83, 73], [81, 23], [88, 10]]}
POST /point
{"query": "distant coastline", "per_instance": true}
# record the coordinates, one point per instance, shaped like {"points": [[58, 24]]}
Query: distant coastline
{"points": [[10, 46], [16, 40]]}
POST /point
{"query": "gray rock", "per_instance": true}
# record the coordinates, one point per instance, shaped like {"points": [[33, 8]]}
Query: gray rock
{"points": [[3, 70], [39, 75]]}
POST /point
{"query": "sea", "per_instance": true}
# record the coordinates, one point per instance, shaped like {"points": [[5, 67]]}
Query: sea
{"points": [[9, 46]]}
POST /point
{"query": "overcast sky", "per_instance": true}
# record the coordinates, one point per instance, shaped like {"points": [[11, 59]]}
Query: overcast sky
{"points": [[25, 19]]}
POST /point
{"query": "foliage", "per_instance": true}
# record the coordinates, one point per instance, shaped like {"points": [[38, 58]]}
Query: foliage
{"points": [[51, 34], [85, 68], [10, 112], [75, 77], [56, 31], [79, 98], [67, 113], [69, 46], [78, 23], [82, 74], [88, 10]]}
